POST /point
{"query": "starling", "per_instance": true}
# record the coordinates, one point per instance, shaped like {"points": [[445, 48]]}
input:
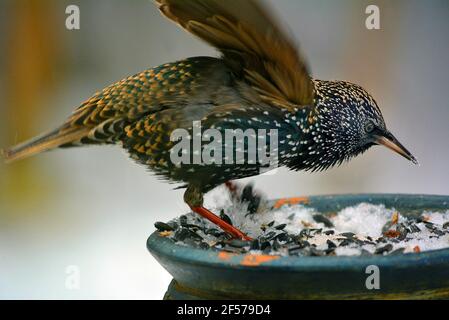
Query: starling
{"points": [[260, 81]]}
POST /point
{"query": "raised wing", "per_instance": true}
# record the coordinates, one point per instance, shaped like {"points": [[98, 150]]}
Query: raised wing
{"points": [[251, 42]]}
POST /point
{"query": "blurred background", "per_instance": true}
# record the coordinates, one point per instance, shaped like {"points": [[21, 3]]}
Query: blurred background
{"points": [[86, 213]]}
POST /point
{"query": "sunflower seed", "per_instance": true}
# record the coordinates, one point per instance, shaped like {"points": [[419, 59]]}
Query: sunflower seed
{"points": [[283, 237], [183, 220], [161, 226], [255, 245], [264, 245], [386, 248], [225, 217], [281, 226], [330, 244], [323, 219], [348, 235]]}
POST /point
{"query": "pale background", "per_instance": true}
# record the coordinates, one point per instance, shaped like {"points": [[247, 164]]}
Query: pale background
{"points": [[93, 208]]}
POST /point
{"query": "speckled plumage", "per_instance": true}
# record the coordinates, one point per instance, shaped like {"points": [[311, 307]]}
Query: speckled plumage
{"points": [[261, 81]]}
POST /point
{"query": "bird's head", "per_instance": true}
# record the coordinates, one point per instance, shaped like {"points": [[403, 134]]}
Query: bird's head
{"points": [[346, 123]]}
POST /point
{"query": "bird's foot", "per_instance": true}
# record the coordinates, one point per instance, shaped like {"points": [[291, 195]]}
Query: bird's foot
{"points": [[233, 231]]}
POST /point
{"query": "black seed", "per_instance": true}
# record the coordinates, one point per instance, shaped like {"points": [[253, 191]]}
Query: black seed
{"points": [[225, 217], [348, 235], [213, 232], [323, 219], [161, 226], [446, 225], [290, 217], [438, 232], [181, 234], [282, 237], [264, 245], [295, 251], [254, 205], [255, 245], [247, 193], [383, 249], [293, 247], [304, 233], [381, 240], [330, 244], [193, 226], [204, 246], [281, 226], [183, 220], [253, 200], [270, 235], [329, 232], [270, 224]]}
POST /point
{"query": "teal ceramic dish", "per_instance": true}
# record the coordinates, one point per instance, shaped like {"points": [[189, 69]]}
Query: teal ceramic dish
{"points": [[207, 274]]}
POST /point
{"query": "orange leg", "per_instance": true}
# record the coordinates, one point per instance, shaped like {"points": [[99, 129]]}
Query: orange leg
{"points": [[236, 233]]}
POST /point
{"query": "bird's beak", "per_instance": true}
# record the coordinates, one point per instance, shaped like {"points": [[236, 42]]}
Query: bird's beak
{"points": [[388, 140]]}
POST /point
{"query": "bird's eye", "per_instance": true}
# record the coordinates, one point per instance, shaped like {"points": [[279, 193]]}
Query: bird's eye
{"points": [[369, 127]]}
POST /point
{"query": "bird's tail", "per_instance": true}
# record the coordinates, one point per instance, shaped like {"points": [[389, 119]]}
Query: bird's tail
{"points": [[61, 136]]}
